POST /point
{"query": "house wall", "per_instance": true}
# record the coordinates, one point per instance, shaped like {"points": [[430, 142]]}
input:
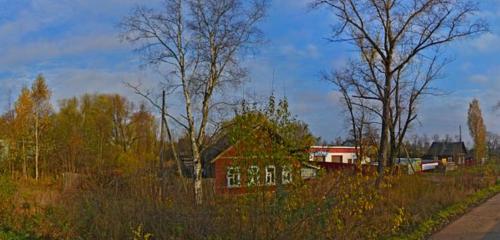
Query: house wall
{"points": [[225, 161], [221, 164]]}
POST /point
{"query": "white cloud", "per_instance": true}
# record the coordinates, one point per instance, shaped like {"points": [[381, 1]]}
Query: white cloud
{"points": [[71, 82], [479, 78], [293, 3], [49, 29], [309, 51], [46, 49], [487, 42]]}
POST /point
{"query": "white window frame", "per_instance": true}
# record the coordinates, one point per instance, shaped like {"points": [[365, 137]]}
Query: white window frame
{"points": [[233, 174], [286, 175], [253, 176], [269, 180]]}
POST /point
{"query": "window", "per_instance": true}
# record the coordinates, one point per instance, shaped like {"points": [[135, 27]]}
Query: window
{"points": [[253, 176], [337, 159], [286, 175], [307, 173], [319, 158], [233, 177], [270, 175]]}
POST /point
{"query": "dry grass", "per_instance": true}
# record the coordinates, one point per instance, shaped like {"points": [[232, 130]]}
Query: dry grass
{"points": [[341, 205]]}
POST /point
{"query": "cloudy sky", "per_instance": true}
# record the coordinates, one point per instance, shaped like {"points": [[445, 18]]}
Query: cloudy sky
{"points": [[75, 44]]}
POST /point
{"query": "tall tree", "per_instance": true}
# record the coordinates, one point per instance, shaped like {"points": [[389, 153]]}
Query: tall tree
{"points": [[40, 95], [477, 130], [69, 135], [398, 43], [200, 42], [493, 143], [23, 108], [144, 133]]}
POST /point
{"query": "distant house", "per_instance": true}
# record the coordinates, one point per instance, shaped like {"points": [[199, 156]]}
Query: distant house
{"points": [[335, 154], [334, 158], [449, 151]]}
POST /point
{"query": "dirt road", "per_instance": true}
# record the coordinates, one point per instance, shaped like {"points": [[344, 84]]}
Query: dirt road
{"points": [[483, 222]]}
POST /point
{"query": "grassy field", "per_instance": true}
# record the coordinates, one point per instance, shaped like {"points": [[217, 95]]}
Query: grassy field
{"points": [[340, 205]]}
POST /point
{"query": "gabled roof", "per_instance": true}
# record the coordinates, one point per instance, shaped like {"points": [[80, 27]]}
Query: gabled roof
{"points": [[446, 149], [213, 151]]}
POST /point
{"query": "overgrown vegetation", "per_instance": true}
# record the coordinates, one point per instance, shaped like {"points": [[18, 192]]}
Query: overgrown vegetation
{"points": [[92, 168], [99, 180], [341, 205]]}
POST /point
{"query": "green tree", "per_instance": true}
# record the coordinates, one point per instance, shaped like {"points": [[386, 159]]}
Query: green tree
{"points": [[477, 129], [270, 136]]}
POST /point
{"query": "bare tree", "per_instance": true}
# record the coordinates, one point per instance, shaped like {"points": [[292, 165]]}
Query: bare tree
{"points": [[200, 44], [358, 111], [398, 43]]}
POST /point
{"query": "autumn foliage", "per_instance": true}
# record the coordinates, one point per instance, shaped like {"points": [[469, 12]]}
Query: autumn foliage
{"points": [[98, 179], [477, 130]]}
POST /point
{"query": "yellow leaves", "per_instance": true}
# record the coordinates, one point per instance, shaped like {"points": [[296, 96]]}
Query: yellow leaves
{"points": [[39, 90], [140, 234], [23, 108], [399, 219], [477, 130]]}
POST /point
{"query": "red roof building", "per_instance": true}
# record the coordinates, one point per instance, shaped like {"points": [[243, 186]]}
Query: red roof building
{"points": [[335, 154]]}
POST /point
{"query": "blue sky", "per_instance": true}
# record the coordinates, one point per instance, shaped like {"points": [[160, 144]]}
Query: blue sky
{"points": [[75, 44]]}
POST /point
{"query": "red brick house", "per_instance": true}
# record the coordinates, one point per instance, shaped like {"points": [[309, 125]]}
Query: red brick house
{"points": [[236, 169]]}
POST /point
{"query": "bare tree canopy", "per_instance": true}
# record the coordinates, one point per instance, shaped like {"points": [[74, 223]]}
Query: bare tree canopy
{"points": [[399, 43], [200, 44]]}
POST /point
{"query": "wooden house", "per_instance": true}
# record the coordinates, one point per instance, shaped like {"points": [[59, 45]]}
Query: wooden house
{"points": [[446, 152], [258, 160]]}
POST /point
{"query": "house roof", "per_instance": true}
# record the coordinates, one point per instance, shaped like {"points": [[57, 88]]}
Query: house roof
{"points": [[446, 149], [214, 150], [333, 149], [212, 153]]}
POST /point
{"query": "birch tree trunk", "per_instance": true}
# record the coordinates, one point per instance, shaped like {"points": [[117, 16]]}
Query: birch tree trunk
{"points": [[37, 147], [202, 41]]}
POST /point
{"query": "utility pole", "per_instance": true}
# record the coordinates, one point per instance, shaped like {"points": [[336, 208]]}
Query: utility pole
{"points": [[172, 145], [460, 133], [162, 146]]}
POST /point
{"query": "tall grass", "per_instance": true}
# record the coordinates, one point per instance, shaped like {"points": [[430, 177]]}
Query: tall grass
{"points": [[340, 205]]}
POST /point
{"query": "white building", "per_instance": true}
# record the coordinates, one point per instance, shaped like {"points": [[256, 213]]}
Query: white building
{"points": [[335, 154]]}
